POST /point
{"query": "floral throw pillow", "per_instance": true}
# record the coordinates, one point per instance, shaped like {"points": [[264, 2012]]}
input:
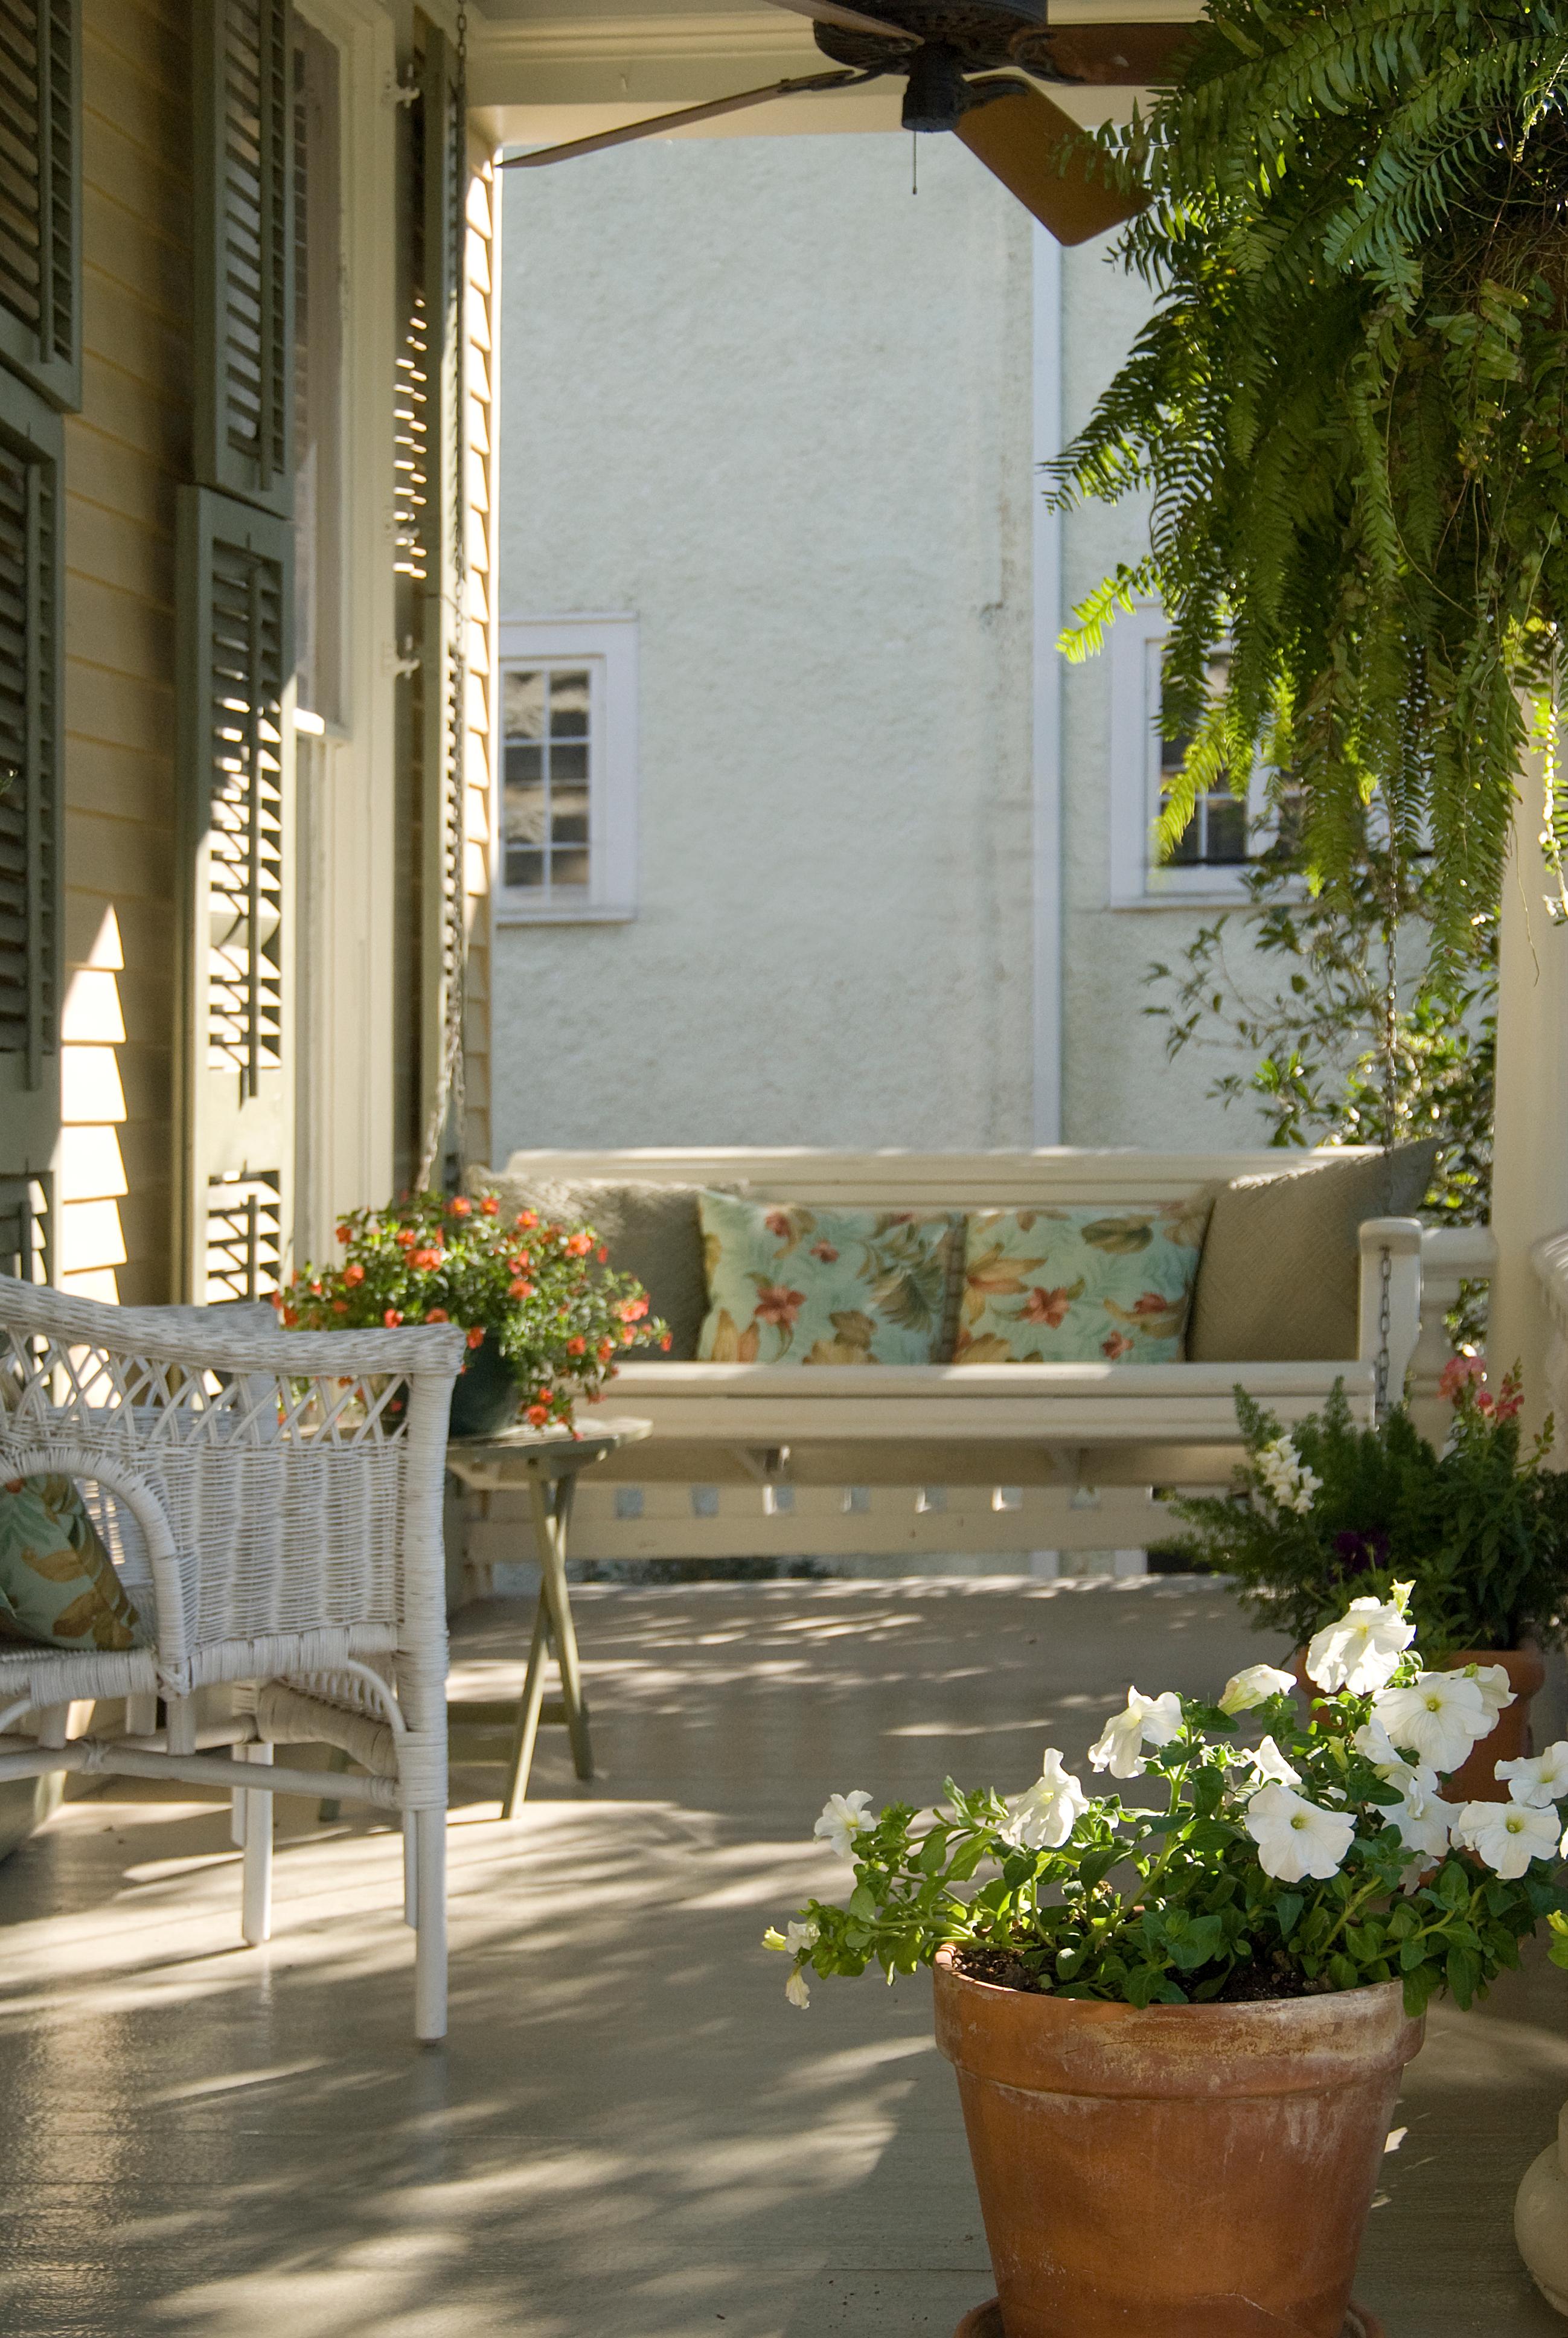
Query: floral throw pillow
{"points": [[58, 1587], [1077, 1286], [792, 1285]]}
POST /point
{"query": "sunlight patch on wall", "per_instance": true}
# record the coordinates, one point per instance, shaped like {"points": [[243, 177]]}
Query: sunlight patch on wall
{"points": [[90, 1240]]}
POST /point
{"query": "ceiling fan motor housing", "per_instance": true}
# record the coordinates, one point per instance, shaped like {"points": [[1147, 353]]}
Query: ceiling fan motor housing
{"points": [[936, 92]]}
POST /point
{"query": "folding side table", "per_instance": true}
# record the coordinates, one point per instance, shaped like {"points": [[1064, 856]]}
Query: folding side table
{"points": [[549, 1462]]}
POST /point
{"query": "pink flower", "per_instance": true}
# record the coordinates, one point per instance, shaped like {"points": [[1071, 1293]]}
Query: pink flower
{"points": [[392, 1318], [825, 1251], [476, 1336], [1116, 1345], [1456, 1375], [459, 1205], [778, 1224], [353, 1274], [489, 1206], [775, 1304], [1150, 1303], [1047, 1306]]}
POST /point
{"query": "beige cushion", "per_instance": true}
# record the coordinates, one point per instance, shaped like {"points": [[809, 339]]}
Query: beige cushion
{"points": [[649, 1231], [1281, 1276]]}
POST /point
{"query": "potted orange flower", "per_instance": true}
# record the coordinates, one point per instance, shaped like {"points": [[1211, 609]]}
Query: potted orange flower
{"points": [[544, 1313]]}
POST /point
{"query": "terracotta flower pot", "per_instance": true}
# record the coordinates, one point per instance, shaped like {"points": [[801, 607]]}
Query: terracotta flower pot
{"points": [[1477, 1780], [1192, 2171]]}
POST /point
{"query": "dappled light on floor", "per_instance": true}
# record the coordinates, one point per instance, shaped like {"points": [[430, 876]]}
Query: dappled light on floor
{"points": [[628, 2133]]}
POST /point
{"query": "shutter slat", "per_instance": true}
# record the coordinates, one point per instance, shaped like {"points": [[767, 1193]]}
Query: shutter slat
{"points": [[40, 196], [29, 585], [244, 219]]}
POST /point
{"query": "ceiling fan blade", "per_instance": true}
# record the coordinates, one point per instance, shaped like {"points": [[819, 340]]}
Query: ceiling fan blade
{"points": [[850, 20], [1019, 137], [660, 125], [1119, 56]]}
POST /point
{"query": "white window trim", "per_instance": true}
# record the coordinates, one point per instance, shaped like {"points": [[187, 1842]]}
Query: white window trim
{"points": [[610, 641], [1138, 881]]}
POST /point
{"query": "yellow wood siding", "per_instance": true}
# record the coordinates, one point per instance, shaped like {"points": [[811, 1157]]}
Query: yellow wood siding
{"points": [[123, 453]]}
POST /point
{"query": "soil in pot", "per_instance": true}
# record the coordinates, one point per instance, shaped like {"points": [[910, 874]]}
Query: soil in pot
{"points": [[986, 2321], [485, 1395], [1188, 2171]]}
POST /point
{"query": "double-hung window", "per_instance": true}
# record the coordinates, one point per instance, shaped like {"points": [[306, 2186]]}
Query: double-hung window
{"points": [[566, 816], [1209, 862]]}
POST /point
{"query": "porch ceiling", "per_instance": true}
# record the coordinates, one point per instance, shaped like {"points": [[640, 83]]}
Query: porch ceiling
{"points": [[572, 67]]}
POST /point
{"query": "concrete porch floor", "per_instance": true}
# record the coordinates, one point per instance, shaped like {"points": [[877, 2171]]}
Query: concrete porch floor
{"points": [[628, 2134]]}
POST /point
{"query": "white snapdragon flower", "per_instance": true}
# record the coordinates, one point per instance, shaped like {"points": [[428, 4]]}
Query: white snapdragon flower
{"points": [[1438, 1717], [1296, 1837], [1361, 1651], [1507, 1835], [844, 1816], [1253, 1686], [1492, 1680], [1287, 1476], [797, 1989], [1044, 1818], [1269, 1766], [1154, 1720], [1541, 1780]]}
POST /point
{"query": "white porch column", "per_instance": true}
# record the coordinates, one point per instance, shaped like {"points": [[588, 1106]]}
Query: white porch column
{"points": [[1530, 1180]]}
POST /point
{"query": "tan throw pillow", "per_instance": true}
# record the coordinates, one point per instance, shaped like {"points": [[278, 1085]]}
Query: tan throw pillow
{"points": [[1281, 1276], [649, 1231]]}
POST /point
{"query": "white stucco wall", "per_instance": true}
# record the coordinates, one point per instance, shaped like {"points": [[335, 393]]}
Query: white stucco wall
{"points": [[758, 394]]}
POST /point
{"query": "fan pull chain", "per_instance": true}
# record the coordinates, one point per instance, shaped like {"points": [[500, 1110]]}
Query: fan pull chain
{"points": [[914, 163]]}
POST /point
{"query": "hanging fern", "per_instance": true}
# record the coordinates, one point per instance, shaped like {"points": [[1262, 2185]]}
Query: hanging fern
{"points": [[1351, 406]]}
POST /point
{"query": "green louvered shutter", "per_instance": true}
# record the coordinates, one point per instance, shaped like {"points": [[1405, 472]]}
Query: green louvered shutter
{"points": [[430, 871], [41, 196], [244, 181], [237, 813], [30, 811]]}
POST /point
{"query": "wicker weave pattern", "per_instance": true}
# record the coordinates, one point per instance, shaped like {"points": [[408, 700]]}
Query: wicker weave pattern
{"points": [[275, 1498]]}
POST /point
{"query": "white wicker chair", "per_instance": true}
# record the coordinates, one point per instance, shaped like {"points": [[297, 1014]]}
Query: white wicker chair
{"points": [[273, 1501]]}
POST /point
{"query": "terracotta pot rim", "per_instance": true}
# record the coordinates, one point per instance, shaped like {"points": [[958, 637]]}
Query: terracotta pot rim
{"points": [[1108, 2008]]}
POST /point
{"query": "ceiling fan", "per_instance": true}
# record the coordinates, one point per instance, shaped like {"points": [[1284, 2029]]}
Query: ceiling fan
{"points": [[948, 51]]}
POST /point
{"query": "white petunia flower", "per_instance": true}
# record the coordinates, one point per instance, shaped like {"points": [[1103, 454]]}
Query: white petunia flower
{"points": [[1373, 1741], [1507, 1835], [802, 1936], [1295, 1837], [1542, 1780], [1120, 1747], [844, 1816], [1044, 1818], [1287, 1476], [1269, 1766], [1253, 1686], [1362, 1651], [1492, 1680], [1422, 1819], [1438, 1717], [797, 1988]]}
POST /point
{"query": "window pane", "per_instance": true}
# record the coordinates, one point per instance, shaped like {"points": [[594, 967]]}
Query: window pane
{"points": [[568, 705], [1184, 854], [1225, 845], [568, 763], [569, 868], [525, 870], [568, 827], [526, 815], [525, 765], [523, 705]]}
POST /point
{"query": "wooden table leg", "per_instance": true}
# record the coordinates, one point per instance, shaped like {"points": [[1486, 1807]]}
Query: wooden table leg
{"points": [[552, 1518], [523, 1745]]}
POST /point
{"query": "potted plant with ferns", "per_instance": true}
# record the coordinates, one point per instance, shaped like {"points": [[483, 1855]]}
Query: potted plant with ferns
{"points": [[546, 1315], [1179, 2011], [1479, 1530]]}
